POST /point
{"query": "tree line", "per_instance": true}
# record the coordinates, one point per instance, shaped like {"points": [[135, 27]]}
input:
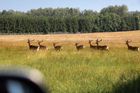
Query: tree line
{"points": [[69, 20]]}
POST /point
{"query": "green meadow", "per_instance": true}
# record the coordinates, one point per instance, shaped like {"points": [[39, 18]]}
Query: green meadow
{"points": [[85, 71]]}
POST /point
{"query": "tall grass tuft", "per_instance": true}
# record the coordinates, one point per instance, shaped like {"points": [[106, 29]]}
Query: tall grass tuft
{"points": [[85, 71]]}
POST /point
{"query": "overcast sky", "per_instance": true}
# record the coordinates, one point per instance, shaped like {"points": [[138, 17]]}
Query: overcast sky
{"points": [[95, 5]]}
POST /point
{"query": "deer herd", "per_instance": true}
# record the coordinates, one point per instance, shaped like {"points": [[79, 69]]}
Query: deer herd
{"points": [[78, 46]]}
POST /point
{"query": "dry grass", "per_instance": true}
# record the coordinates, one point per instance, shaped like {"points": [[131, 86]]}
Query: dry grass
{"points": [[86, 71], [114, 39]]}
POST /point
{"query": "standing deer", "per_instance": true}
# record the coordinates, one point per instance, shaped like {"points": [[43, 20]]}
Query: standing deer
{"points": [[104, 47], [41, 46], [32, 47], [57, 47], [133, 48], [92, 46], [78, 47]]}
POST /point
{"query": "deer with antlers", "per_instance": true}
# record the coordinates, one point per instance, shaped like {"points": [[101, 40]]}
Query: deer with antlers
{"points": [[57, 47], [32, 47], [104, 47], [42, 46], [133, 48], [92, 46], [79, 46]]}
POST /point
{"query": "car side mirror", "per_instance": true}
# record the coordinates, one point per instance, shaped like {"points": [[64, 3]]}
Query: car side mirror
{"points": [[17, 80]]}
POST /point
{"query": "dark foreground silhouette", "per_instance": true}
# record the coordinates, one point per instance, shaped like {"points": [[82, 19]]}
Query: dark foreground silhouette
{"points": [[127, 86]]}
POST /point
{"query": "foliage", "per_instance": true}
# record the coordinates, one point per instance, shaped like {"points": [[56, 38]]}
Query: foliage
{"points": [[120, 10], [69, 20]]}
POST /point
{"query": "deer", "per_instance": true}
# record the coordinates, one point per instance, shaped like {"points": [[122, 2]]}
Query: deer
{"points": [[79, 47], [104, 47], [133, 48], [41, 46], [57, 47], [92, 46], [32, 47]]}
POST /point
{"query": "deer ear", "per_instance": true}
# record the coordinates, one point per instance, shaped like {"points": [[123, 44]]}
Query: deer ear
{"points": [[29, 39]]}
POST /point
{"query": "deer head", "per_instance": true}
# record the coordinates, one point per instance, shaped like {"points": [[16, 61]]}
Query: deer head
{"points": [[29, 40], [97, 41], [90, 41], [39, 41], [128, 41]]}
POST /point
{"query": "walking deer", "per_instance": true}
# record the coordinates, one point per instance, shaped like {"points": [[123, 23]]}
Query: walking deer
{"points": [[133, 48], [42, 46], [32, 47], [57, 47], [79, 47], [92, 46], [104, 47]]}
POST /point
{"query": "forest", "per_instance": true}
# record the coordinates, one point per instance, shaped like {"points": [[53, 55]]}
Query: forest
{"points": [[69, 20]]}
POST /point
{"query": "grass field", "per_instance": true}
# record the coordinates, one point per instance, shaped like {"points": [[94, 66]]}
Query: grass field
{"points": [[86, 71]]}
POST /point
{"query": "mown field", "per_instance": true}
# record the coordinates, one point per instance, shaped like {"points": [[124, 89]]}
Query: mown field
{"points": [[86, 71]]}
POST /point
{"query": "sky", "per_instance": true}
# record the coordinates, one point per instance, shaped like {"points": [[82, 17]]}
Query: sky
{"points": [[95, 5]]}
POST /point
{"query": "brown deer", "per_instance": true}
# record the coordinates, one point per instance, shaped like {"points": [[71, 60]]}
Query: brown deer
{"points": [[32, 47], [104, 47], [57, 47], [133, 48], [41, 46], [92, 46], [79, 47]]}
